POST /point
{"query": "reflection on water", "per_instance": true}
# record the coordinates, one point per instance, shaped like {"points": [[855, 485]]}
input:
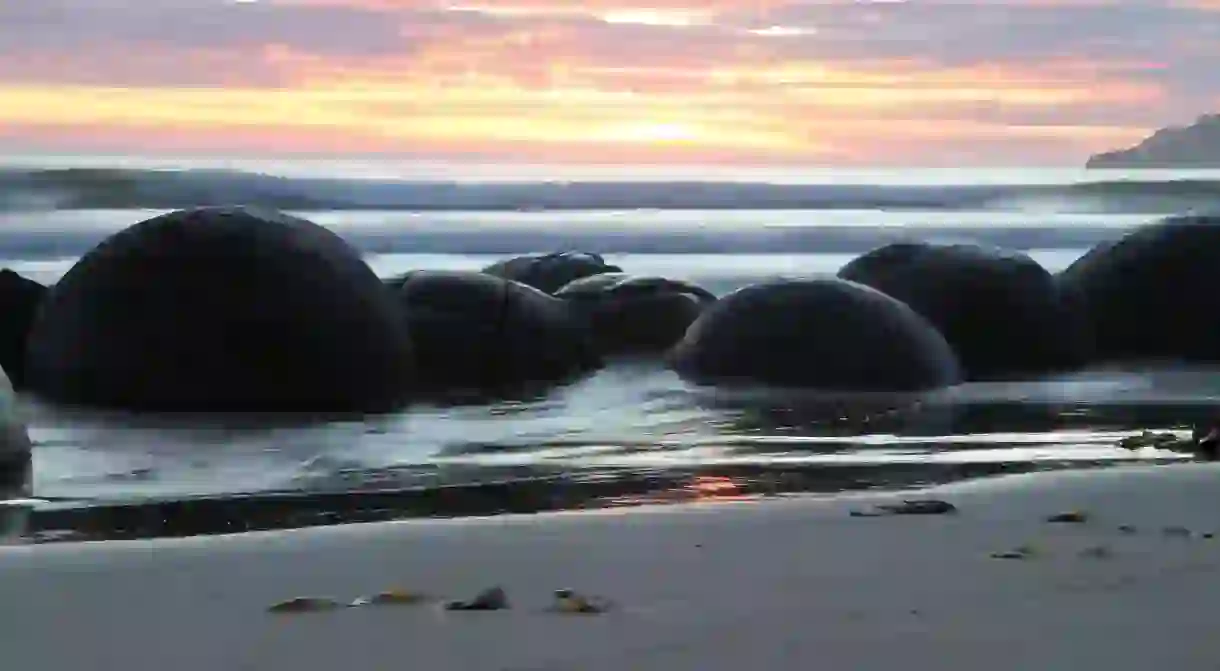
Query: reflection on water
{"points": [[630, 435]]}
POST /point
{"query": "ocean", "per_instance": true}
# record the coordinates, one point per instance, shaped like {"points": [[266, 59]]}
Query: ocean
{"points": [[629, 433]]}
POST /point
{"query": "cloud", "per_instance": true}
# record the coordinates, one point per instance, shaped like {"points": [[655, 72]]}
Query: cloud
{"points": [[711, 80]]}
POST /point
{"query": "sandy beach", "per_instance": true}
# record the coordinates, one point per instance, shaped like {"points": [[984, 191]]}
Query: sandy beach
{"points": [[784, 584]]}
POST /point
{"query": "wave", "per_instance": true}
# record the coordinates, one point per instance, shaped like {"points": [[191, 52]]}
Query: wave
{"points": [[409, 237], [126, 188]]}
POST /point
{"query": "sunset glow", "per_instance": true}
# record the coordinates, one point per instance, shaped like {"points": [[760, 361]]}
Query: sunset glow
{"points": [[605, 80]]}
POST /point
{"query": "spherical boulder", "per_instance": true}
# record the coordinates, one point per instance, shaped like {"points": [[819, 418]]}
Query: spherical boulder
{"points": [[635, 315], [1001, 311], [1149, 296], [822, 333], [20, 298], [477, 332], [550, 272], [222, 309], [15, 446]]}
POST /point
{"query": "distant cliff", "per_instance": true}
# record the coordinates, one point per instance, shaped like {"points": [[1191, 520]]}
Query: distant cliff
{"points": [[1193, 146]]}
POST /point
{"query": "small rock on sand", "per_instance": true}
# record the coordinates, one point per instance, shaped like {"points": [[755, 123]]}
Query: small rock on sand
{"points": [[1022, 552], [493, 598], [390, 598], [304, 604], [1069, 517], [909, 507], [570, 602]]}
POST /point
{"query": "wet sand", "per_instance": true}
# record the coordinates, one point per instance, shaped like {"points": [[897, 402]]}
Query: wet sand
{"points": [[775, 584]]}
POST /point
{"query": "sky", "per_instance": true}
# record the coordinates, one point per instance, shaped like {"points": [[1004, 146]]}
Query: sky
{"points": [[750, 82]]}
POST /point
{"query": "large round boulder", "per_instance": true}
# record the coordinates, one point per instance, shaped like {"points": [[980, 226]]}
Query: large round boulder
{"points": [[222, 309], [20, 298], [1000, 310], [16, 469], [477, 332], [550, 272], [823, 333], [1149, 295], [635, 315], [15, 446]]}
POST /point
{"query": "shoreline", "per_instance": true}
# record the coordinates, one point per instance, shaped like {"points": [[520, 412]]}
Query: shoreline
{"points": [[64, 522], [786, 583]]}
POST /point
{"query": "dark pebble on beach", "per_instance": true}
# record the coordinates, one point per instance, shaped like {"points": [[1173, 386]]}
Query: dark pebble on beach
{"points": [[493, 598]]}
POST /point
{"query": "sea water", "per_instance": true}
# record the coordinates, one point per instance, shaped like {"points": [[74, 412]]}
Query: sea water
{"points": [[626, 422]]}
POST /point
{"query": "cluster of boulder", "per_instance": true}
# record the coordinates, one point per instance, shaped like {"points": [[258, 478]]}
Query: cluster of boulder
{"points": [[234, 309], [237, 310]]}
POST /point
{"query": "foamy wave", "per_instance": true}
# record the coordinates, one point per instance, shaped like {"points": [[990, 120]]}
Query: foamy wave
{"points": [[121, 188]]}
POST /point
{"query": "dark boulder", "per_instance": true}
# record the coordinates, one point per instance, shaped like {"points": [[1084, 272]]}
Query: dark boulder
{"points": [[826, 334], [15, 448], [20, 298], [550, 272], [1149, 295], [222, 309], [477, 332], [1001, 311], [635, 315]]}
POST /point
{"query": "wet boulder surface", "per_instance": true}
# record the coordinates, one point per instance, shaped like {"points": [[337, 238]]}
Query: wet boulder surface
{"points": [[1149, 295], [477, 332], [20, 298], [550, 272], [821, 333], [15, 446], [1002, 312], [630, 315], [224, 310]]}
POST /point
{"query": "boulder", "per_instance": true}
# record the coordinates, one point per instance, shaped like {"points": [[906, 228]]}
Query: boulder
{"points": [[1001, 311], [822, 333], [478, 332], [635, 315], [1148, 295], [550, 272], [222, 309]]}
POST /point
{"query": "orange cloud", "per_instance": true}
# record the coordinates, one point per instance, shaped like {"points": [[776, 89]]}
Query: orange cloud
{"points": [[544, 87]]}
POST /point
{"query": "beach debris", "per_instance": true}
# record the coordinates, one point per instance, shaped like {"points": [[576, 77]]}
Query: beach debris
{"points": [[304, 604], [572, 602], [1097, 552], [1205, 441], [1020, 552], [908, 507], [1177, 532], [492, 598], [391, 598], [1150, 439], [1069, 517]]}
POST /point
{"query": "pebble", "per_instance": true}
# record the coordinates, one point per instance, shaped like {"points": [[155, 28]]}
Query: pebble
{"points": [[305, 604], [492, 598], [568, 601], [1070, 517], [390, 598], [1149, 439], [1022, 552], [909, 507]]}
